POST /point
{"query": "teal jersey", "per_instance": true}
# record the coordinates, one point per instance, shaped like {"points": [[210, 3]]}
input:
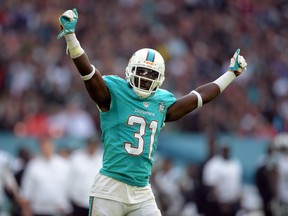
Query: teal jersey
{"points": [[130, 131]]}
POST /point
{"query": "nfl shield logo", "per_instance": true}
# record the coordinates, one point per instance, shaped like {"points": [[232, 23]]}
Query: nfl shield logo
{"points": [[146, 104]]}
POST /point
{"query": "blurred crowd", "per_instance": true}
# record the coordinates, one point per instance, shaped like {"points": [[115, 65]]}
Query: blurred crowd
{"points": [[53, 182], [40, 90]]}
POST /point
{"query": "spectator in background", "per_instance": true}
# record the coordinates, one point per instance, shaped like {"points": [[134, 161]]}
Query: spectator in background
{"points": [[22, 159], [166, 183], [223, 178], [266, 180], [200, 188], [188, 186], [7, 181], [44, 184], [19, 167], [82, 161], [280, 207]]}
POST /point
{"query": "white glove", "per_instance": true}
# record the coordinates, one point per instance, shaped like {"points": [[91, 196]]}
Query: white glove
{"points": [[237, 63], [71, 14]]}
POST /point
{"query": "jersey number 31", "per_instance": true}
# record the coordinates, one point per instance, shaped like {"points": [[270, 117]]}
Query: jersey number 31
{"points": [[138, 150]]}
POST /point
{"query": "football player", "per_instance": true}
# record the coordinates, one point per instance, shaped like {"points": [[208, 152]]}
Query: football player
{"points": [[132, 113]]}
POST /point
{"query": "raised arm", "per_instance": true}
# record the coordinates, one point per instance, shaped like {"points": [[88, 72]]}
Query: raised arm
{"points": [[94, 82], [207, 92]]}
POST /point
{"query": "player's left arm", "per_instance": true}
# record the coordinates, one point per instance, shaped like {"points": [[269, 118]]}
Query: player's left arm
{"points": [[207, 92]]}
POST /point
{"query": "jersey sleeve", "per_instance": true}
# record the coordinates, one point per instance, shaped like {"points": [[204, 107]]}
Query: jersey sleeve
{"points": [[167, 98], [111, 82], [170, 99]]}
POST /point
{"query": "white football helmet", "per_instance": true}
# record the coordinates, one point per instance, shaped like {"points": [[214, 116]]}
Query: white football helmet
{"points": [[145, 72]]}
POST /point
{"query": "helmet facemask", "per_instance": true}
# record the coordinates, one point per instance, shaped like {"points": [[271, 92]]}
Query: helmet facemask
{"points": [[145, 76], [145, 80]]}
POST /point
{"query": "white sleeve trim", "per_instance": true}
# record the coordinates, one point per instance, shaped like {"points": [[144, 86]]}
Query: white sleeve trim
{"points": [[199, 101], [90, 75]]}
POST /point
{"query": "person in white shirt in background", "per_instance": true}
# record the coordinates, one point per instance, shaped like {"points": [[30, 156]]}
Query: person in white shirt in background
{"points": [[84, 162], [280, 207], [7, 181], [45, 183], [223, 178]]}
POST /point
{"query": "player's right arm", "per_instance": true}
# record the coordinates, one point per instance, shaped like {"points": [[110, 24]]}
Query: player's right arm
{"points": [[94, 82]]}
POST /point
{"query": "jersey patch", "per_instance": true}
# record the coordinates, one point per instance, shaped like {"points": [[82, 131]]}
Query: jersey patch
{"points": [[161, 107], [146, 104]]}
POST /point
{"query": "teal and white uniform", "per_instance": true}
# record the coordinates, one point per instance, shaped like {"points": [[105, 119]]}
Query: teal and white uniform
{"points": [[130, 131]]}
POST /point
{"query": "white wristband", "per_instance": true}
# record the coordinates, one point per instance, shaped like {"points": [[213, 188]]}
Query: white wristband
{"points": [[200, 101], [224, 80], [90, 75], [73, 45]]}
